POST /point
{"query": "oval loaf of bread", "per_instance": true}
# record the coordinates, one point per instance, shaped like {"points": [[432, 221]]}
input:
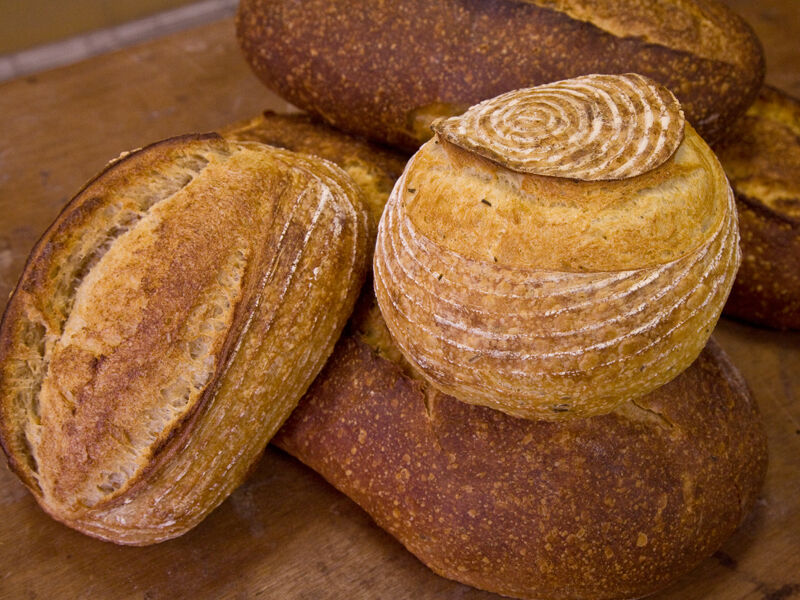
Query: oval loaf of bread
{"points": [[385, 70], [612, 506], [762, 160], [166, 325], [558, 250]]}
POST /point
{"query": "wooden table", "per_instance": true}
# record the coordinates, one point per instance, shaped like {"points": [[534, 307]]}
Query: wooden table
{"points": [[286, 533]]}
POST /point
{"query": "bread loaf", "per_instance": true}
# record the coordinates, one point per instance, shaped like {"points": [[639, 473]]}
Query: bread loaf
{"points": [[558, 250], [385, 70], [613, 506], [166, 325], [761, 157]]}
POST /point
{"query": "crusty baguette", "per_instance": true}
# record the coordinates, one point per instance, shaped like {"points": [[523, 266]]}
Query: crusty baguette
{"points": [[385, 70], [167, 323], [558, 250], [614, 506], [762, 159]]}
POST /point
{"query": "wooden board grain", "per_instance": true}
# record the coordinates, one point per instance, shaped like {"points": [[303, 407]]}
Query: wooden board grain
{"points": [[286, 533]]}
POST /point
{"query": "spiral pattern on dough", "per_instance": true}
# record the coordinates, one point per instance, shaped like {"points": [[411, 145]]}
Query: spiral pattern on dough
{"points": [[545, 297], [592, 128]]}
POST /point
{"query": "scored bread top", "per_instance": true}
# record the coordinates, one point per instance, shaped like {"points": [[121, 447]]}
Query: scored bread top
{"points": [[548, 297], [598, 127], [172, 308]]}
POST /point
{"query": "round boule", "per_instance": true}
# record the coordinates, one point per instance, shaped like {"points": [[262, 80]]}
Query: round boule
{"points": [[558, 288]]}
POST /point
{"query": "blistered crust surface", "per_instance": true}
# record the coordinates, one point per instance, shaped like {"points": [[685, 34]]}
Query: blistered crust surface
{"points": [[167, 324]]}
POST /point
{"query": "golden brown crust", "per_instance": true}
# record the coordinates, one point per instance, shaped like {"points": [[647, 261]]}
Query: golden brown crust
{"points": [[128, 400], [551, 298], [761, 157], [615, 506], [386, 70]]}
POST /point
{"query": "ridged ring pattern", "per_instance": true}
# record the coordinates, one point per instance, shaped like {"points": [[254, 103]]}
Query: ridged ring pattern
{"points": [[535, 340], [597, 127]]}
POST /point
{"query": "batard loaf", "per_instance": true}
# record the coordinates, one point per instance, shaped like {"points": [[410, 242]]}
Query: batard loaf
{"points": [[558, 250], [166, 325], [762, 159], [385, 70], [612, 506]]}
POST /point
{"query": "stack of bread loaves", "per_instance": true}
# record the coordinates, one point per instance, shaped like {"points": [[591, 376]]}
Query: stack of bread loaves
{"points": [[529, 401], [537, 281], [559, 308], [614, 505]]}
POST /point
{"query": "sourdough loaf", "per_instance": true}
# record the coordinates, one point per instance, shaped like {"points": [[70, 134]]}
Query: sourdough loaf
{"points": [[558, 250], [166, 325], [613, 506], [385, 70], [762, 159]]}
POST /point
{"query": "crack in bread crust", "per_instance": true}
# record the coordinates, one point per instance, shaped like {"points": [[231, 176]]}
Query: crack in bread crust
{"points": [[761, 157], [703, 28]]}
